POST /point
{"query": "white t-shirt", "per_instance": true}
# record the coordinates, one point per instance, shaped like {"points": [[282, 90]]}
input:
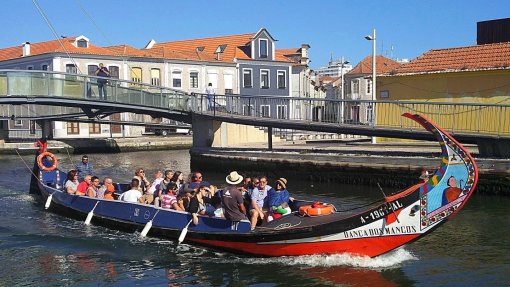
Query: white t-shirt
{"points": [[131, 195], [209, 90], [72, 184], [154, 185]]}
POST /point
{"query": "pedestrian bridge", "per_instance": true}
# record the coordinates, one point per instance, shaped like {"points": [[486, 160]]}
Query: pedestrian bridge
{"points": [[52, 96]]}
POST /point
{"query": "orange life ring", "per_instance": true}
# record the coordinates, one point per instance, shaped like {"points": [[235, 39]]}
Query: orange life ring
{"points": [[316, 209], [42, 166]]}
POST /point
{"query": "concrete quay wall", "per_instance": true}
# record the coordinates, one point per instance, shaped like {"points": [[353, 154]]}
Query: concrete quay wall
{"points": [[106, 145], [398, 166]]}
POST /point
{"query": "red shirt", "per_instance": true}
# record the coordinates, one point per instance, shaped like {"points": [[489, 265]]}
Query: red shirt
{"points": [[82, 187]]}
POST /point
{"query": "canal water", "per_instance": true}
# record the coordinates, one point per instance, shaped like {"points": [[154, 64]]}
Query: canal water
{"points": [[38, 248]]}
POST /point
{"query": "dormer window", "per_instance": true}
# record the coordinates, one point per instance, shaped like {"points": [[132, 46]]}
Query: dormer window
{"points": [[263, 48], [81, 42], [221, 48], [200, 49]]}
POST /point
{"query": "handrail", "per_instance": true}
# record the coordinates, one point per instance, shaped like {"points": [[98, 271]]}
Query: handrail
{"points": [[475, 118]]}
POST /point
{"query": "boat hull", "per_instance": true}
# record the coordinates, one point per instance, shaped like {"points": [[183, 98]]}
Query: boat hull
{"points": [[369, 231]]}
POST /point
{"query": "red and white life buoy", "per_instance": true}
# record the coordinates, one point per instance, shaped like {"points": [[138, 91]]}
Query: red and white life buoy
{"points": [[41, 164], [316, 209]]}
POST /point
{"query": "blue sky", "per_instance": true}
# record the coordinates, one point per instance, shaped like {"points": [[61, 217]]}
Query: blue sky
{"points": [[338, 27]]}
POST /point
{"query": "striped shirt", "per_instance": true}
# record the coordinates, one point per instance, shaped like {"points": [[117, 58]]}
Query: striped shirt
{"points": [[168, 201]]}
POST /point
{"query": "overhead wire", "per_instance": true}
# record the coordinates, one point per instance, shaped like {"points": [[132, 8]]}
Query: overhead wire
{"points": [[101, 31], [40, 10]]}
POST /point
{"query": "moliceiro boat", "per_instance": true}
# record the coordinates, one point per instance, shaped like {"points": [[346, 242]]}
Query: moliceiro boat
{"points": [[371, 230]]}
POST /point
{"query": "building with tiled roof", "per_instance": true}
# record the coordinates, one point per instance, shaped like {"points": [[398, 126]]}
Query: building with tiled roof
{"points": [[245, 64], [358, 86], [474, 74], [461, 59], [383, 65]]}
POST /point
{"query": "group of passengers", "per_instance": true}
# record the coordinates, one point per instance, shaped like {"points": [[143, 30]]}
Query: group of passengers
{"points": [[245, 197]]}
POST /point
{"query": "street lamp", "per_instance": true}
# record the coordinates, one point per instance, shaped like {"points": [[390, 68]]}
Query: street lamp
{"points": [[372, 38]]}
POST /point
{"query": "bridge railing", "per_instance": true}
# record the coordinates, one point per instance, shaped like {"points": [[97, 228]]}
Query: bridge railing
{"points": [[66, 85], [474, 118], [493, 119]]}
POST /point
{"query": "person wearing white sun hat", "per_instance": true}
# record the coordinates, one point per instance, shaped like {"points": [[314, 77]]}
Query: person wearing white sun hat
{"points": [[232, 198]]}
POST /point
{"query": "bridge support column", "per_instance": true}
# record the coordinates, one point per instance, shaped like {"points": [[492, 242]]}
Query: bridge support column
{"points": [[47, 129], [498, 148], [203, 131], [210, 133]]}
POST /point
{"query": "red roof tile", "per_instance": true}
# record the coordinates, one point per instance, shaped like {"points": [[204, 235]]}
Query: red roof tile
{"points": [[470, 58], [188, 49], [237, 47], [383, 66], [52, 47]]}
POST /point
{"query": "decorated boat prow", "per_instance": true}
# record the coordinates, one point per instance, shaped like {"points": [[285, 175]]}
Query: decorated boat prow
{"points": [[310, 228]]}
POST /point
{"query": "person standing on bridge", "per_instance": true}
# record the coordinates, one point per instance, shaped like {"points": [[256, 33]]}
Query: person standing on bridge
{"points": [[102, 71], [210, 95]]}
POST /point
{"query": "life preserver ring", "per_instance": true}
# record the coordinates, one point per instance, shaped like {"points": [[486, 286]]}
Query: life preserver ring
{"points": [[41, 164], [316, 209]]}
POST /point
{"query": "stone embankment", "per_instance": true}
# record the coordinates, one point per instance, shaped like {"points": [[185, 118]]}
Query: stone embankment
{"points": [[391, 164], [394, 164], [109, 145]]}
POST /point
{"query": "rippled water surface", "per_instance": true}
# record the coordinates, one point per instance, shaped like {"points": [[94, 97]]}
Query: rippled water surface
{"points": [[38, 248]]}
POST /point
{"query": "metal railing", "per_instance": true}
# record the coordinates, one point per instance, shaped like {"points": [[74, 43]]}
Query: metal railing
{"points": [[55, 84], [473, 118], [491, 119]]}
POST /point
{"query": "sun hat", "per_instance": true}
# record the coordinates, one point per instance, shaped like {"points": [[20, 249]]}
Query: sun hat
{"points": [[424, 174], [234, 178], [282, 181]]}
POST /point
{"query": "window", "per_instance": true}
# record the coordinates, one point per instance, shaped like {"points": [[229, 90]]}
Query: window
{"points": [[32, 127], [81, 43], [265, 111], [193, 80], [114, 72], [44, 67], [73, 128], [30, 67], [71, 69], [18, 123], [369, 86], [370, 114], [92, 70], [281, 111], [155, 77], [264, 79], [247, 78], [385, 94], [176, 79], [355, 87], [248, 110], [263, 48], [282, 79], [94, 128], [228, 80], [136, 75]]}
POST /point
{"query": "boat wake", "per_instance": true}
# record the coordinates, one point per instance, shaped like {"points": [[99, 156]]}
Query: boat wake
{"points": [[390, 260]]}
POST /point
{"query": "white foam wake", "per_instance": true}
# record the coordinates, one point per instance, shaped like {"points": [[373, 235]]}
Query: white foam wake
{"points": [[391, 259]]}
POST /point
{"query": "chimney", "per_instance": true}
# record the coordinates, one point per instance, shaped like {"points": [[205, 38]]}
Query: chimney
{"points": [[304, 54], [26, 49]]}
